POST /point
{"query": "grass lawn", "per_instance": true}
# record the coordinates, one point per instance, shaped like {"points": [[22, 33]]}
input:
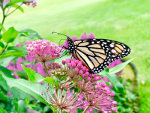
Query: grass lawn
{"points": [[127, 21]]}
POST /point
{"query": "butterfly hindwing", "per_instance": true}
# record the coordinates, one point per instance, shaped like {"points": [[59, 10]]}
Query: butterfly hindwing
{"points": [[96, 54]]}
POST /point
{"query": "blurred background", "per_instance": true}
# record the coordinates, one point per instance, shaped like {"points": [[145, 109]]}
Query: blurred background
{"points": [[127, 21]]}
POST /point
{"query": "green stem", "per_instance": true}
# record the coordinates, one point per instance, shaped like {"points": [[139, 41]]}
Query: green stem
{"points": [[85, 109], [60, 111], [4, 49], [14, 9], [45, 69], [4, 17]]}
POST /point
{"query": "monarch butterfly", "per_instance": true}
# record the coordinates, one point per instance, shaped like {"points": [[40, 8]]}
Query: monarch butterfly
{"points": [[97, 54]]}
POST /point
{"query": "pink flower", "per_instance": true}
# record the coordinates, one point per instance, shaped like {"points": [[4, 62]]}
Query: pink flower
{"points": [[76, 70], [43, 50], [9, 93], [61, 99], [115, 63], [83, 36], [32, 2], [18, 45], [93, 95]]}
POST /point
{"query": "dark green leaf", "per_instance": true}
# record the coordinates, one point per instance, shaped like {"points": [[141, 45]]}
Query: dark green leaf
{"points": [[5, 71], [2, 45], [119, 67], [3, 96], [10, 35], [22, 74], [13, 2], [32, 75]]}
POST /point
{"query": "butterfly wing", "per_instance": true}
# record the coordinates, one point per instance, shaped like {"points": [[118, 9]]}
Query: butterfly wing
{"points": [[96, 54]]}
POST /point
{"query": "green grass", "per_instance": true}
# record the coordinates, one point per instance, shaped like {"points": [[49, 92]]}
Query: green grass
{"points": [[127, 21]]}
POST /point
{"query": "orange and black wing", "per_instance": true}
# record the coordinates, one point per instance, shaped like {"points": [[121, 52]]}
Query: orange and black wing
{"points": [[96, 54]]}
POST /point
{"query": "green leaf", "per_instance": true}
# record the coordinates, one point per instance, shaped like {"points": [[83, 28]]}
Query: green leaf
{"points": [[13, 2], [2, 44], [17, 49], [3, 96], [2, 110], [18, 7], [5, 71], [21, 106], [32, 75], [1, 49], [119, 67], [26, 86], [30, 33], [2, 29], [114, 80], [10, 35], [10, 54], [22, 74], [3, 83], [51, 80], [19, 94], [5, 62]]}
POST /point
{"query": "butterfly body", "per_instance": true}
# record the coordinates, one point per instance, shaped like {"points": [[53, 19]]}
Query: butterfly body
{"points": [[97, 54]]}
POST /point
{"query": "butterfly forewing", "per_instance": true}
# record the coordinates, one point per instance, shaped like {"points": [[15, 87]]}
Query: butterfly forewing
{"points": [[97, 54]]}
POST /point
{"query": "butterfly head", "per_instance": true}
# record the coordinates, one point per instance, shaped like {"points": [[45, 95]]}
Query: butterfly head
{"points": [[70, 45]]}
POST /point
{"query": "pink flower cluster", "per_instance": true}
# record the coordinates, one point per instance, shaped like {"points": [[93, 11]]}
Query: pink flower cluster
{"points": [[97, 95], [43, 50], [78, 69], [30, 2], [15, 67]]}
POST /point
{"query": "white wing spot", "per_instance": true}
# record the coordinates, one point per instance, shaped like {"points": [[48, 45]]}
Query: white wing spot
{"points": [[112, 45], [113, 51]]}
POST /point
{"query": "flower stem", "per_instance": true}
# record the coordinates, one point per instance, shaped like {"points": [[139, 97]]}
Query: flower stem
{"points": [[85, 109], [14, 9], [3, 50], [45, 69], [60, 111], [3, 20]]}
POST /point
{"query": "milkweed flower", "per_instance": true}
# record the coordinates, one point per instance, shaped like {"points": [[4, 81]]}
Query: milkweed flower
{"points": [[64, 100], [30, 2], [75, 70], [93, 95], [43, 50]]}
